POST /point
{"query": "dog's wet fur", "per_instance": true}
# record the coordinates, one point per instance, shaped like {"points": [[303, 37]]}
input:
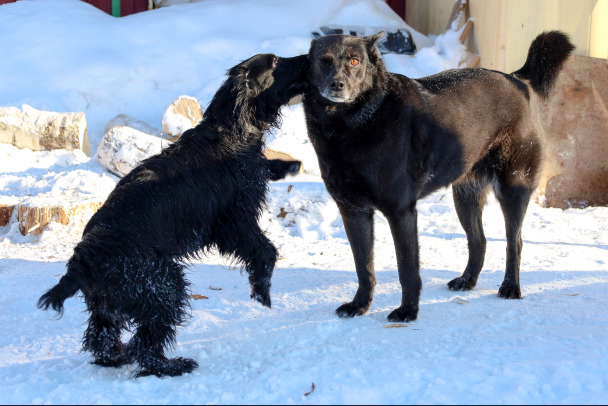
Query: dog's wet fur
{"points": [[384, 141], [206, 190]]}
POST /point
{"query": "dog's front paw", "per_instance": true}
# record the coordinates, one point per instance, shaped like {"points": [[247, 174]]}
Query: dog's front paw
{"points": [[507, 291], [261, 293], [403, 314], [461, 283], [352, 309], [294, 168]]}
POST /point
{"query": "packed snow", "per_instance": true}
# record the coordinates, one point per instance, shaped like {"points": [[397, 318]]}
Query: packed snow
{"points": [[466, 347]]}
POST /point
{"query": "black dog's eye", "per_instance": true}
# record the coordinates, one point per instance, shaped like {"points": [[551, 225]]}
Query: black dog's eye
{"points": [[354, 61], [328, 60], [275, 61]]}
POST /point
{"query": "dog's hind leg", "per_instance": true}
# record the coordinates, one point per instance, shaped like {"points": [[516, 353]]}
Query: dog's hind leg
{"points": [[517, 176], [147, 349], [102, 336], [514, 200], [161, 306], [469, 199], [359, 226]]}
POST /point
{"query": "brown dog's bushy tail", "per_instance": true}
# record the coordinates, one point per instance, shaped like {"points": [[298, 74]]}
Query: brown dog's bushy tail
{"points": [[66, 288], [546, 57]]}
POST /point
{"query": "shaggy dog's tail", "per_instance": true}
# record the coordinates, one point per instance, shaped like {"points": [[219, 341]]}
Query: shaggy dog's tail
{"points": [[66, 288], [547, 54]]}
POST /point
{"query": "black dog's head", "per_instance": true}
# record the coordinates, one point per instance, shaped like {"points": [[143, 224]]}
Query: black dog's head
{"points": [[250, 98], [343, 66], [273, 79]]}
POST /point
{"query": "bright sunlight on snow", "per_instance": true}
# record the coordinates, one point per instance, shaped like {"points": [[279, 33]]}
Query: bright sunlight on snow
{"points": [[466, 347]]}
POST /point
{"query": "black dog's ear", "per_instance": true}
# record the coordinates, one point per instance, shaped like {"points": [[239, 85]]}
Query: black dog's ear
{"points": [[373, 40], [240, 74], [312, 46], [372, 46]]}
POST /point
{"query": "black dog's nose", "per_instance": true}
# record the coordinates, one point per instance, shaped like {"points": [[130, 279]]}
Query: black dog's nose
{"points": [[337, 85]]}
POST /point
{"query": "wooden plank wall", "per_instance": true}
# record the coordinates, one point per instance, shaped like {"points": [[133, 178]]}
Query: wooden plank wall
{"points": [[504, 29], [526, 19]]}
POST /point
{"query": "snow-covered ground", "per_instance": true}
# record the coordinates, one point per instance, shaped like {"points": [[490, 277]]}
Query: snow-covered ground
{"points": [[466, 347]]}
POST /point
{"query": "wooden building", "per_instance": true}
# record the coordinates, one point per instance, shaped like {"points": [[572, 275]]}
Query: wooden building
{"points": [[502, 28]]}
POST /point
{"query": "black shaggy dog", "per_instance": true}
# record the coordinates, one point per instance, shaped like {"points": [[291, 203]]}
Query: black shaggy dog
{"points": [[384, 141], [205, 190]]}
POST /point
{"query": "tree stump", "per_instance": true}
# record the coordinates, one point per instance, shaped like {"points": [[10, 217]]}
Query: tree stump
{"points": [[34, 219]]}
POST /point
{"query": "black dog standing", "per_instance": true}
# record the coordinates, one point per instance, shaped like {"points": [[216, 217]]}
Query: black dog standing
{"points": [[384, 141], [205, 190]]}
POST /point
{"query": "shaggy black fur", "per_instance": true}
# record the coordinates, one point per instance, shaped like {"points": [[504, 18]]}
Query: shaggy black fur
{"points": [[205, 190], [384, 141]]}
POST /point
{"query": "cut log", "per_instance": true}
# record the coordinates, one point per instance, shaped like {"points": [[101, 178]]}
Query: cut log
{"points": [[282, 156], [43, 130], [272, 154], [181, 115], [124, 120], [34, 220], [6, 212], [122, 148]]}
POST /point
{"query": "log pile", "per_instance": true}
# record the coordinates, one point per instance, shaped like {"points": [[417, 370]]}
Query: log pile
{"points": [[126, 142]]}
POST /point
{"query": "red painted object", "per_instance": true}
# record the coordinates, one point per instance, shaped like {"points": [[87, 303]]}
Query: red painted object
{"points": [[6, 1], [398, 6], [104, 5], [127, 7]]}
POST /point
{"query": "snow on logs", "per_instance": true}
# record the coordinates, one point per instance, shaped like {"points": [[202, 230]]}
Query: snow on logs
{"points": [[33, 214], [126, 142], [43, 130], [181, 115], [123, 147]]}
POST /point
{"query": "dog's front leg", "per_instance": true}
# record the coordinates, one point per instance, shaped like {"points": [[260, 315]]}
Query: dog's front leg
{"points": [[260, 270], [359, 226], [243, 238], [405, 235]]}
